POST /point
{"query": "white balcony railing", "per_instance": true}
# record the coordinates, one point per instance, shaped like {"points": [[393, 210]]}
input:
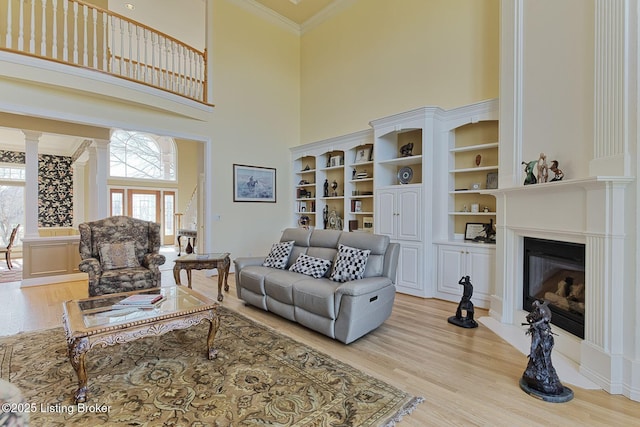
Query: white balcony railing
{"points": [[81, 34]]}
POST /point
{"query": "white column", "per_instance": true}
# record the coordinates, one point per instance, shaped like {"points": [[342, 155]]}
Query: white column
{"points": [[511, 92], [98, 172], [31, 190], [613, 87], [79, 215]]}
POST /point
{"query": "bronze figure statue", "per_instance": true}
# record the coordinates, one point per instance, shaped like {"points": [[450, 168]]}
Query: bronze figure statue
{"points": [[464, 313], [540, 378]]}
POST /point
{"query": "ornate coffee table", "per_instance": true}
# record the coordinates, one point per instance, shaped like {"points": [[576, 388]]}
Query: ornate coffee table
{"points": [[221, 261], [91, 322]]}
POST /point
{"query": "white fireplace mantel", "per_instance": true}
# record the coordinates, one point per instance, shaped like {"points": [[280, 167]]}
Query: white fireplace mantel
{"points": [[592, 211]]}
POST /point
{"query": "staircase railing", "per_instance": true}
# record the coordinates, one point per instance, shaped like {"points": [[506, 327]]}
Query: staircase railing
{"points": [[80, 34], [191, 212]]}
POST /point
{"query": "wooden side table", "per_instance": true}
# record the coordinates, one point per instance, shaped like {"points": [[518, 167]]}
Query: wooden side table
{"points": [[220, 261]]}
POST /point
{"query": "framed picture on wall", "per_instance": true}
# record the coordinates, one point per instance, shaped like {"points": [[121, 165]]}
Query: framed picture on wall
{"points": [[254, 184]]}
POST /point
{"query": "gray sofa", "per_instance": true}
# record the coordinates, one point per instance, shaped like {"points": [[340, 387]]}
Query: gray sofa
{"points": [[343, 311]]}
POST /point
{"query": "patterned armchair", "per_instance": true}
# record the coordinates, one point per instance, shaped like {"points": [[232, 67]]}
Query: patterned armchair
{"points": [[120, 254]]}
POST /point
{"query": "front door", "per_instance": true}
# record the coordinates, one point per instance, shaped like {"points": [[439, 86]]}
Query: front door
{"points": [[144, 204]]}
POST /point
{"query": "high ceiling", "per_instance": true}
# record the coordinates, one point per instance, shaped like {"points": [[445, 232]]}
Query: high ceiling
{"points": [[297, 11]]}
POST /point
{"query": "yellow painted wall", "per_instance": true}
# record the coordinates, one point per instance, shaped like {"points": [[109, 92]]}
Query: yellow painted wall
{"points": [[381, 57], [189, 154], [256, 91]]}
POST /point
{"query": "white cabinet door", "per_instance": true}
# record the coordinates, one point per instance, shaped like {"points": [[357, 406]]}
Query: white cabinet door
{"points": [[451, 267], [408, 208], [385, 213], [456, 261], [481, 268], [409, 276], [398, 213]]}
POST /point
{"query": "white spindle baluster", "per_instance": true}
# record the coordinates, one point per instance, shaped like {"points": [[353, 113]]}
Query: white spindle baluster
{"points": [[75, 33], [85, 44], [160, 56], [8, 38], [113, 44], [104, 41], [95, 37], [190, 93], [167, 62], [199, 75], [173, 65], [196, 74], [183, 73], [65, 35], [120, 70], [200, 80], [154, 37], [54, 31], [21, 27], [32, 25], [138, 69], [130, 57], [43, 41], [145, 33]]}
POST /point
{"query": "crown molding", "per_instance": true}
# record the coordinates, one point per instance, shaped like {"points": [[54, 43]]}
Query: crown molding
{"points": [[287, 24], [326, 13], [268, 14]]}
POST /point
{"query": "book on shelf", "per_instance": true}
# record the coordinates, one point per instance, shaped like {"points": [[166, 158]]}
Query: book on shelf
{"points": [[140, 301]]}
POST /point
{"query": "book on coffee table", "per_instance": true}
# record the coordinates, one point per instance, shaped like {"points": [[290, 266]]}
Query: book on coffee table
{"points": [[139, 301]]}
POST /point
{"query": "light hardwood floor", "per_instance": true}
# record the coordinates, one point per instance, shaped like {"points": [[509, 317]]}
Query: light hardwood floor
{"points": [[467, 376]]}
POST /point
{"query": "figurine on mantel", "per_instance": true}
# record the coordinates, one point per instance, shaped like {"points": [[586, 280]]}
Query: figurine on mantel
{"points": [[557, 173], [528, 170], [543, 170]]}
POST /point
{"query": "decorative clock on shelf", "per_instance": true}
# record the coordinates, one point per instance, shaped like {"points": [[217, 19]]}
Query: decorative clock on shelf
{"points": [[405, 174]]}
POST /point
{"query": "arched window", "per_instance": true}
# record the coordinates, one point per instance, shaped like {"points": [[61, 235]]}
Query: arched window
{"points": [[142, 155]]}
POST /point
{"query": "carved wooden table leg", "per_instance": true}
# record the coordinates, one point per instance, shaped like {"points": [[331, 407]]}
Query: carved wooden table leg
{"points": [[77, 351], [189, 277], [227, 265], [213, 329], [176, 274], [223, 276]]}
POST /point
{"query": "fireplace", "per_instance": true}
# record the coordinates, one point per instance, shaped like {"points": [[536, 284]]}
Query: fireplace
{"points": [[554, 272]]}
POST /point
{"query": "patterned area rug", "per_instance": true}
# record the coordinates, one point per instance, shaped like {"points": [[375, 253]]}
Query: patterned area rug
{"points": [[259, 378]]}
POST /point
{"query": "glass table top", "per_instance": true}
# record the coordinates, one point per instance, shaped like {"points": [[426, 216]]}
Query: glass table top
{"points": [[99, 311], [204, 257]]}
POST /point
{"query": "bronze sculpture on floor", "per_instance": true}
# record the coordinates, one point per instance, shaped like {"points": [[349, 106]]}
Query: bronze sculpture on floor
{"points": [[540, 378], [466, 305]]}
